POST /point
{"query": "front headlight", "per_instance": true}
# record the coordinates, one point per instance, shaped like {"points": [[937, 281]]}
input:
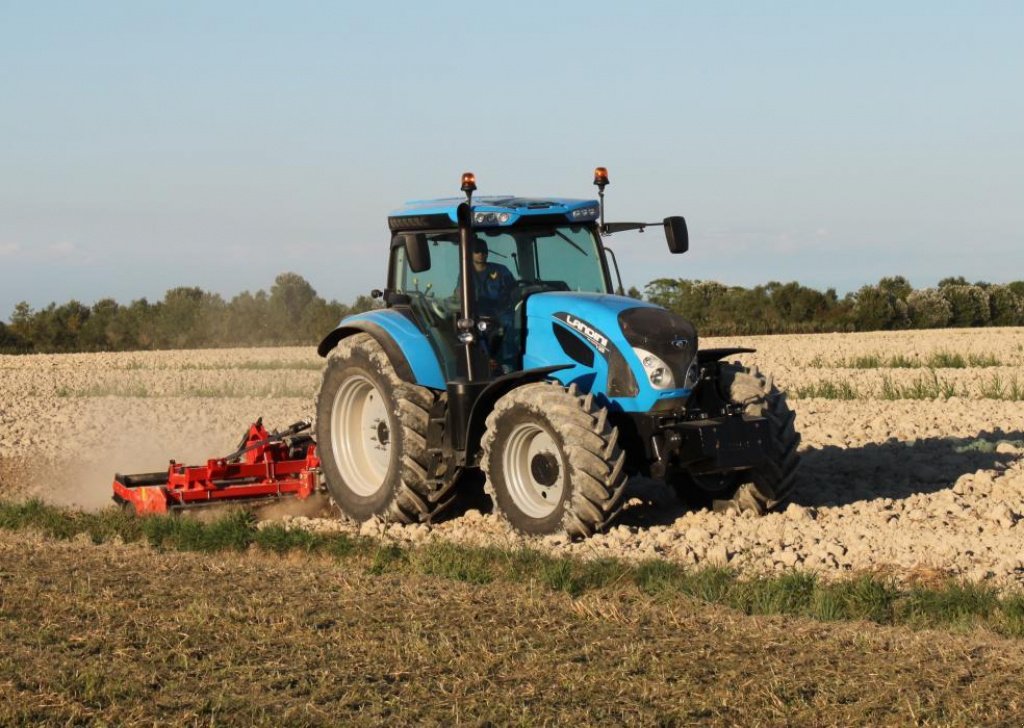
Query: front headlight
{"points": [[658, 372]]}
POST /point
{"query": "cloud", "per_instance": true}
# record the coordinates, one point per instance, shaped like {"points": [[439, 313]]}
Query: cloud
{"points": [[9, 249]]}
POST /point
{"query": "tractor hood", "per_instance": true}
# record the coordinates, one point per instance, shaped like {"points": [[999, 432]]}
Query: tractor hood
{"points": [[617, 344]]}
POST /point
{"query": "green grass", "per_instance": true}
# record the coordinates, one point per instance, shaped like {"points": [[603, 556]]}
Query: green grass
{"points": [[258, 365], [946, 360], [954, 604], [827, 389], [899, 361], [868, 361], [957, 603], [983, 360], [233, 391], [218, 391], [925, 386], [936, 360], [255, 365], [275, 537], [996, 388]]}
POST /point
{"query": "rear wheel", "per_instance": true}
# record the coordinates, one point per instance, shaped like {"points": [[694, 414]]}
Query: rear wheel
{"points": [[552, 461], [770, 483], [371, 434]]}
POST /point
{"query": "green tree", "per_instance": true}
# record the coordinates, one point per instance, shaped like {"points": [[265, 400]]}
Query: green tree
{"points": [[970, 304], [928, 309], [290, 296], [188, 317], [98, 332], [58, 328], [22, 321], [135, 326], [897, 286], [796, 304], [1006, 307], [247, 320], [877, 308], [10, 342]]}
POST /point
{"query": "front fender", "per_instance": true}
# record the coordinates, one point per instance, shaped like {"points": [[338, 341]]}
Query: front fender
{"points": [[492, 393], [407, 347]]}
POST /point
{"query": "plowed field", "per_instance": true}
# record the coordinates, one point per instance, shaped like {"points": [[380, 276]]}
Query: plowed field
{"points": [[912, 449]]}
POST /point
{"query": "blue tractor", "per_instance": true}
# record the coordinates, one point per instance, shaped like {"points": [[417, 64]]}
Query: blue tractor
{"points": [[501, 346]]}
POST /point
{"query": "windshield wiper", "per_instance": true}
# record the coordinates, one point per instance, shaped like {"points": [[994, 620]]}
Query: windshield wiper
{"points": [[567, 239]]}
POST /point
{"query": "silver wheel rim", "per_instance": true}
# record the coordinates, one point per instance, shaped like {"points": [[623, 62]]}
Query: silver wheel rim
{"points": [[527, 463], [361, 435]]}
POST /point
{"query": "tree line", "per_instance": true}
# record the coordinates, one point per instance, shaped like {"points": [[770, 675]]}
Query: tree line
{"points": [[292, 313], [785, 308], [187, 317]]}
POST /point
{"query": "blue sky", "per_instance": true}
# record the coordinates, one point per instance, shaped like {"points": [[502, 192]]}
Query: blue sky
{"points": [[146, 145]]}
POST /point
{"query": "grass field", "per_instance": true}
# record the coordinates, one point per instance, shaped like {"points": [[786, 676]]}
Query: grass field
{"points": [[218, 623]]}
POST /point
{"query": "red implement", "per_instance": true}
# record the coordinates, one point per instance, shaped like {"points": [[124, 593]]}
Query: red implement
{"points": [[266, 465]]}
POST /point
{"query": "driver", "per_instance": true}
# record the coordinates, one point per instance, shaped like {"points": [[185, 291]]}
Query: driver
{"points": [[491, 281]]}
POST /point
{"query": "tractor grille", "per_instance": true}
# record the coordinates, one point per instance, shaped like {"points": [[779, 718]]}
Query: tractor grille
{"points": [[664, 334]]}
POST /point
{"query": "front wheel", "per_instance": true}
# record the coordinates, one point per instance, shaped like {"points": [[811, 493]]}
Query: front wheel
{"points": [[552, 461], [770, 483]]}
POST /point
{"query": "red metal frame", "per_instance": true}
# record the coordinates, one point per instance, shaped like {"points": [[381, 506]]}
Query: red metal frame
{"points": [[263, 469]]}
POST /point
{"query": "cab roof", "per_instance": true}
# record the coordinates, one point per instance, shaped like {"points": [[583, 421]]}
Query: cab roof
{"points": [[492, 211]]}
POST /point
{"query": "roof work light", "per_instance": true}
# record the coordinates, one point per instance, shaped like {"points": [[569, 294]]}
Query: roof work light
{"points": [[601, 180]]}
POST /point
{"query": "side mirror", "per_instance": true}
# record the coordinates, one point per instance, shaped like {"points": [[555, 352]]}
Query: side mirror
{"points": [[417, 252], [676, 234]]}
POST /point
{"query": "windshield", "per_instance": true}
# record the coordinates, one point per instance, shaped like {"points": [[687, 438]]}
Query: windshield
{"points": [[563, 258], [508, 266]]}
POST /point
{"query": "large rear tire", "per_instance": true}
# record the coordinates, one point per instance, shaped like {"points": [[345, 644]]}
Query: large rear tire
{"points": [[552, 461], [769, 484], [371, 436]]}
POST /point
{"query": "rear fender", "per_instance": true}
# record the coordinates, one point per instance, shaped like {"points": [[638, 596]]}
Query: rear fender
{"points": [[406, 346]]}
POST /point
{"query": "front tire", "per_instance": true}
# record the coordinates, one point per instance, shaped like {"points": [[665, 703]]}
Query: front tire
{"points": [[769, 484], [552, 461], [371, 436]]}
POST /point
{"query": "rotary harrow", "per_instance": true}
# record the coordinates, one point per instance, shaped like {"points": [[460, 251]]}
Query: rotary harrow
{"points": [[265, 466]]}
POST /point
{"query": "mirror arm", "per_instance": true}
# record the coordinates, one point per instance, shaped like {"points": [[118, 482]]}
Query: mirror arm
{"points": [[620, 227]]}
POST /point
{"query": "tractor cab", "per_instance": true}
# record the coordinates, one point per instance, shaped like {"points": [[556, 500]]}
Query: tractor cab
{"points": [[519, 248]]}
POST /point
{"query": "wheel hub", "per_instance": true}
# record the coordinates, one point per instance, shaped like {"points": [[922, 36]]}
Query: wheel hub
{"points": [[544, 468], [360, 435], [383, 433], [534, 470]]}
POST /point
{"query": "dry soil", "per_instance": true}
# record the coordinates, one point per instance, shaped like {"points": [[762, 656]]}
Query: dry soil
{"points": [[903, 486]]}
